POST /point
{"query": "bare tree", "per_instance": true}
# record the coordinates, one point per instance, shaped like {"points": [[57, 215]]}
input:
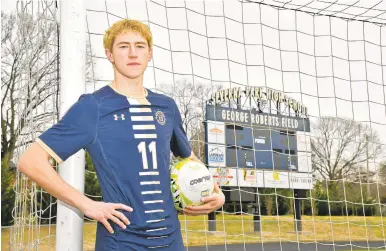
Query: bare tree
{"points": [[341, 148], [191, 100], [382, 173], [29, 75]]}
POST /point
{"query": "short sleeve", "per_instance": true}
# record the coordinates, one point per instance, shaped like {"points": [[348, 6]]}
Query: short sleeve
{"points": [[74, 131], [179, 143]]}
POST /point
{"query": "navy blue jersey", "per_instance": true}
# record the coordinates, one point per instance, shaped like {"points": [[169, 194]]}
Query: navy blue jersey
{"points": [[129, 141]]}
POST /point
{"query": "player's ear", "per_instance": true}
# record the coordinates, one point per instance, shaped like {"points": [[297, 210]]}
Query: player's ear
{"points": [[150, 54], [109, 55]]}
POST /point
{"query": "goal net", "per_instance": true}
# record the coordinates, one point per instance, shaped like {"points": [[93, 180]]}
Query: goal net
{"points": [[307, 172]]}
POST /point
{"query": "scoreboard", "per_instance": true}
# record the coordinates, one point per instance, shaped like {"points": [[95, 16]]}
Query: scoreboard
{"points": [[259, 147], [250, 149]]}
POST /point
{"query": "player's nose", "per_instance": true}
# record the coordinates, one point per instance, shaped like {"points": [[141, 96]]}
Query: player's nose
{"points": [[133, 52]]}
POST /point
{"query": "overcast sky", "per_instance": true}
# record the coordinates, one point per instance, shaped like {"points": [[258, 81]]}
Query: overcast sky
{"points": [[257, 43]]}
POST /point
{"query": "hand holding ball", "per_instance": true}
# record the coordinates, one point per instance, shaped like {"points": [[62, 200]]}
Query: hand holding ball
{"points": [[190, 181]]}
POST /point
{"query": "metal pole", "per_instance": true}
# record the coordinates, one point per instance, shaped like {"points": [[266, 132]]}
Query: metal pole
{"points": [[69, 222], [298, 215], [212, 221], [256, 214]]}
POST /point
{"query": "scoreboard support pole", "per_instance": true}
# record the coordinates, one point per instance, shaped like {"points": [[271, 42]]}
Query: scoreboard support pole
{"points": [[256, 223], [257, 213], [298, 194], [212, 221], [256, 219]]}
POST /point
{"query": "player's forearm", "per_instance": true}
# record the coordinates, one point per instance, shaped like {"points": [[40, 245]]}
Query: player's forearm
{"points": [[43, 174]]}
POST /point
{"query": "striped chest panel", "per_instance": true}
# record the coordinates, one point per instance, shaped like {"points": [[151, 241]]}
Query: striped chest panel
{"points": [[150, 132]]}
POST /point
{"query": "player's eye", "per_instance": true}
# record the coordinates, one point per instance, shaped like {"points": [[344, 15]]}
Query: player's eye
{"points": [[123, 46]]}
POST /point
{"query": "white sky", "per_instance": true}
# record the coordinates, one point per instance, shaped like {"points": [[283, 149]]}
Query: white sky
{"points": [[207, 57]]}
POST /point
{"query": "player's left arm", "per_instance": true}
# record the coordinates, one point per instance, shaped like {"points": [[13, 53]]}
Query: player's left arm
{"points": [[211, 202], [180, 147]]}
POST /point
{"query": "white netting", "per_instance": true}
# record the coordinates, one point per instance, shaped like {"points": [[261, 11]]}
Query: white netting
{"points": [[30, 80], [329, 55]]}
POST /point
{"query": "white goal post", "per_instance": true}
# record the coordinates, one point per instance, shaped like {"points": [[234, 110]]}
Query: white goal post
{"points": [[69, 222]]}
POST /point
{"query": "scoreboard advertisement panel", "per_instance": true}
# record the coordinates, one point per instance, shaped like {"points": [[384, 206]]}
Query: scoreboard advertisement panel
{"points": [[250, 149]]}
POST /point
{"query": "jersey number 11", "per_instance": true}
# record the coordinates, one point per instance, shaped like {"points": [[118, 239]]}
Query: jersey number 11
{"points": [[153, 151]]}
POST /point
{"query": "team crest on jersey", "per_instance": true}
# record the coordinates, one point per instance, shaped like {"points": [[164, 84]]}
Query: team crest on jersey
{"points": [[160, 117]]}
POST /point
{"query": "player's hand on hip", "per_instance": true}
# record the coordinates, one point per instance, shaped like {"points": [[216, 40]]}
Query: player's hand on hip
{"points": [[102, 212], [211, 203]]}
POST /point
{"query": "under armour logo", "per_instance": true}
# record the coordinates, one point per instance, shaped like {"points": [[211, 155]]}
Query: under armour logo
{"points": [[122, 117]]}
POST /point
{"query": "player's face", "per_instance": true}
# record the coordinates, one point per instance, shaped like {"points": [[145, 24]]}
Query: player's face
{"points": [[131, 54]]}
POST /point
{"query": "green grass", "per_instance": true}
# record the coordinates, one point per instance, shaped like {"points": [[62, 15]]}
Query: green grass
{"points": [[238, 229]]}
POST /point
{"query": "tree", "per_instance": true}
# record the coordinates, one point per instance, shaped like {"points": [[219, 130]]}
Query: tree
{"points": [[342, 147], [185, 95], [191, 101], [29, 77], [7, 194], [381, 188], [382, 173], [92, 187]]}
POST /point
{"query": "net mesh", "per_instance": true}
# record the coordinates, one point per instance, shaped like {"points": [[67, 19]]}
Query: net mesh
{"points": [[329, 55], [30, 80]]}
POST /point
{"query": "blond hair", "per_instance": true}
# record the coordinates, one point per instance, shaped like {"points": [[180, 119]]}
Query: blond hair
{"points": [[125, 25]]}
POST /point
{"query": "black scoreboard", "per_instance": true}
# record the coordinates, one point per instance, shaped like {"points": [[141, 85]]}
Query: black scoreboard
{"points": [[264, 148], [248, 139]]}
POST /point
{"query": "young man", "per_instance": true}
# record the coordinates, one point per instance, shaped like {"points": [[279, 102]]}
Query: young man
{"points": [[129, 132]]}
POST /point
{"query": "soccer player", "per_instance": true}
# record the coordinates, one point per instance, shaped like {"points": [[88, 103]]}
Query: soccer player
{"points": [[129, 132]]}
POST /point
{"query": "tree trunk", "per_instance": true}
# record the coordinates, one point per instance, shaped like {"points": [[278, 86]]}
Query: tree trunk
{"points": [[8, 153]]}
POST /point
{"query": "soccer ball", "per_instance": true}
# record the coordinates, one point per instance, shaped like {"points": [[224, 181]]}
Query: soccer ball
{"points": [[190, 181]]}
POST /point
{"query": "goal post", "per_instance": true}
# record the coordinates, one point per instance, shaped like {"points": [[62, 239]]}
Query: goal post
{"points": [[69, 222]]}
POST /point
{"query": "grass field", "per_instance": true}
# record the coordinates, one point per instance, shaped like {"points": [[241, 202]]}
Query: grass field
{"points": [[232, 229]]}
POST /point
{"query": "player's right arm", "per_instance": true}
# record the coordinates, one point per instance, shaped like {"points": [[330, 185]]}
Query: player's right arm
{"points": [[34, 163], [73, 132]]}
